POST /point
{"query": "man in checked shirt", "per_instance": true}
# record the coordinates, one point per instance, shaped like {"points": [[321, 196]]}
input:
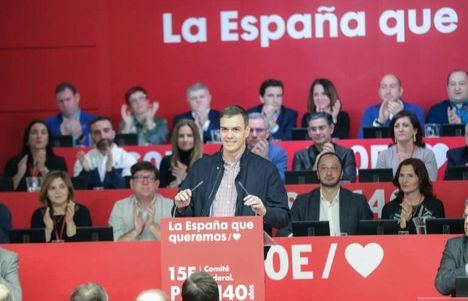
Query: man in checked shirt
{"points": [[234, 181]]}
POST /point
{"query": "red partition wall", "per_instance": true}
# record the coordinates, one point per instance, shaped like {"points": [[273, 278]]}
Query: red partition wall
{"points": [[104, 47], [321, 268], [100, 202]]}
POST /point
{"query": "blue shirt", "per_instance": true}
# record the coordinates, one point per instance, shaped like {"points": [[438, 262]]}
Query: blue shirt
{"points": [[371, 113], [54, 122]]}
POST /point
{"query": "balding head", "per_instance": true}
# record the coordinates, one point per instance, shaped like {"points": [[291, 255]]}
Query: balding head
{"points": [[390, 88], [152, 295]]}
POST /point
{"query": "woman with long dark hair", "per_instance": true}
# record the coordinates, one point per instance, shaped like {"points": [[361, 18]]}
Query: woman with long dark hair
{"points": [[415, 197], [36, 158], [323, 97], [186, 149]]}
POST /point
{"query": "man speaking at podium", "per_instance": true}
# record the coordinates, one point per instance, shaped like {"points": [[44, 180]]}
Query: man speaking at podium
{"points": [[234, 181]]}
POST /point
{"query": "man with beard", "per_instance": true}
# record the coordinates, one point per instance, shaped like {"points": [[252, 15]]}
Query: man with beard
{"points": [[106, 165], [342, 208]]}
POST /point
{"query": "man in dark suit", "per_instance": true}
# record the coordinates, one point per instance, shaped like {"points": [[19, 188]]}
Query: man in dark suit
{"points": [[9, 273], [458, 157], [207, 120], [281, 120], [320, 129], [454, 261], [341, 207]]}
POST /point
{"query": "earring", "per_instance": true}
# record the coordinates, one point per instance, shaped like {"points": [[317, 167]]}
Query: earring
{"points": [[414, 137]]}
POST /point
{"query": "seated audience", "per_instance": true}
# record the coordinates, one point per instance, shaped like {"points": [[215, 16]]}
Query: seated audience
{"points": [[137, 217], [414, 197], [200, 286], [36, 158], [186, 150], [206, 119], [89, 292], [281, 120], [5, 224], [106, 165], [320, 129], [152, 295], [9, 274], [59, 214], [140, 118], [260, 143], [407, 134], [323, 97], [71, 120], [331, 202], [390, 91], [458, 157], [453, 110], [454, 262]]}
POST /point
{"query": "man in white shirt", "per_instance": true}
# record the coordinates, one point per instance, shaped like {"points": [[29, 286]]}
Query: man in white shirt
{"points": [[137, 217], [454, 261], [342, 208], [106, 165]]}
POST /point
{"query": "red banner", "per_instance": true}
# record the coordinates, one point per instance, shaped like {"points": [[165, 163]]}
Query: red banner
{"points": [[230, 249], [400, 267], [365, 150]]}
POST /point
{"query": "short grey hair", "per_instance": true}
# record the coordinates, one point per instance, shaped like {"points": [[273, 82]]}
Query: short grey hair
{"points": [[196, 87], [89, 292], [257, 115]]}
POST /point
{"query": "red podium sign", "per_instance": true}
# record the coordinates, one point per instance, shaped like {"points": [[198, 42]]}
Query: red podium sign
{"points": [[230, 249]]}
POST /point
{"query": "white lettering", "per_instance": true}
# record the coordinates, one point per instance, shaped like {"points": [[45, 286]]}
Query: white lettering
{"points": [[445, 20], [199, 24], [398, 16], [324, 14], [227, 26], [266, 34], [359, 30], [283, 261], [306, 26], [168, 36], [299, 261], [426, 21]]}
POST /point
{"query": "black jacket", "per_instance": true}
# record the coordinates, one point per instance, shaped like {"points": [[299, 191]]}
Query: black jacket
{"points": [[353, 208], [258, 176], [304, 159]]}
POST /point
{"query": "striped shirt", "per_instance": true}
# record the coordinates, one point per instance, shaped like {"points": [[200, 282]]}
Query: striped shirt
{"points": [[224, 203]]}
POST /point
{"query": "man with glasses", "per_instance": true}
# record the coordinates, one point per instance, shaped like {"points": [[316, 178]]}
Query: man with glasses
{"points": [[454, 261], [259, 143], [137, 217], [320, 130]]}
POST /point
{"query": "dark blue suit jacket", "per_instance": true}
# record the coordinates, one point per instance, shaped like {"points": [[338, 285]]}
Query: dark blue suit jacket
{"points": [[353, 208], [213, 116], [457, 157], [287, 120]]}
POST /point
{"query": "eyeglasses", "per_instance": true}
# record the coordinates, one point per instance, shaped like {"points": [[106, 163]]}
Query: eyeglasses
{"points": [[141, 179]]}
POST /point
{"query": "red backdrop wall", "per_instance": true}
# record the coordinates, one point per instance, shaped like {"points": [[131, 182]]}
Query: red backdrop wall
{"points": [[104, 47]]}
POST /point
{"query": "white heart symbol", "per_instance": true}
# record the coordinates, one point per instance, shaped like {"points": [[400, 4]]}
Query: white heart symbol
{"points": [[440, 151], [364, 259], [236, 236]]}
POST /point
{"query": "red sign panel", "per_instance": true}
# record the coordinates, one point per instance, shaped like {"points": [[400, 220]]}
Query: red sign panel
{"points": [[230, 249]]}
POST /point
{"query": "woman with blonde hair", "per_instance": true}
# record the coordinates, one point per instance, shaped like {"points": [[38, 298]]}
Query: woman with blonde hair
{"points": [[186, 149], [59, 215]]}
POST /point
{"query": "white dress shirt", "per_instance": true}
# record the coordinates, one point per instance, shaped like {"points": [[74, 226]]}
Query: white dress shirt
{"points": [[330, 211]]}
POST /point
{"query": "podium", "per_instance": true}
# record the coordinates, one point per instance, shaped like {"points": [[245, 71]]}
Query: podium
{"points": [[230, 249]]}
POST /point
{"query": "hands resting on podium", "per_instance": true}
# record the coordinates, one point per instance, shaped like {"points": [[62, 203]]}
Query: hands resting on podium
{"points": [[183, 198]]}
